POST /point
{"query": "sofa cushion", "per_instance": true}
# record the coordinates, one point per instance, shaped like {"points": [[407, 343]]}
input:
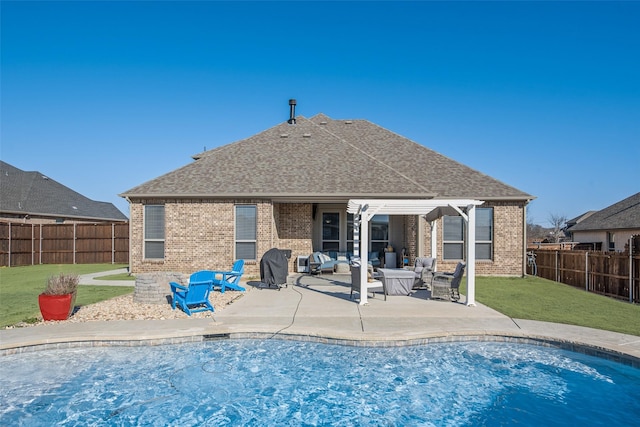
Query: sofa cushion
{"points": [[324, 258]]}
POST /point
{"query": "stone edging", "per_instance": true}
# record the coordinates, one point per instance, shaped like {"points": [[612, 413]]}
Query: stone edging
{"points": [[582, 348]]}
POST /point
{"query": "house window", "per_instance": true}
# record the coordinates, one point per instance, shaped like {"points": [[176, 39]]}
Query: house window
{"points": [[154, 232], [611, 241], [331, 231], [246, 232], [379, 226], [454, 231], [484, 233], [453, 237]]}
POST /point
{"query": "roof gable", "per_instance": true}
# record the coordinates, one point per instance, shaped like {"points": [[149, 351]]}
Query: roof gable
{"points": [[624, 214], [321, 158], [33, 193]]}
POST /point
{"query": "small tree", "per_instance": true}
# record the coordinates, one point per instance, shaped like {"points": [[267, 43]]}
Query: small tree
{"points": [[557, 226]]}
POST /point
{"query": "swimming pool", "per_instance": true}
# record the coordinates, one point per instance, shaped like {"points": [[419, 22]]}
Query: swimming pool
{"points": [[276, 382]]}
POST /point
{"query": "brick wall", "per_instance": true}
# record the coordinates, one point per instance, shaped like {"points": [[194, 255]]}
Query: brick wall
{"points": [[294, 226], [508, 238], [200, 235]]}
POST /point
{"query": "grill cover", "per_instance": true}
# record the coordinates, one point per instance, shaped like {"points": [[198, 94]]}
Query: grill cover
{"points": [[274, 268]]}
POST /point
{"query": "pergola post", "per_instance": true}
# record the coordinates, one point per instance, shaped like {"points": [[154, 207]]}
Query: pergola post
{"points": [[471, 255], [434, 238], [364, 256]]}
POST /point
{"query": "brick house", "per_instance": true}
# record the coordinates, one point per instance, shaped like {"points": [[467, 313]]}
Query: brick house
{"points": [[289, 187]]}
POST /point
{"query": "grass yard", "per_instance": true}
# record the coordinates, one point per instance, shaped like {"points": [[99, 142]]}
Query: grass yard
{"points": [[534, 298], [20, 287]]}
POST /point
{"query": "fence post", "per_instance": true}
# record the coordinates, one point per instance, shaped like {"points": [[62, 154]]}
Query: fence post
{"points": [[74, 242], [113, 243], [40, 244], [557, 272], [631, 284], [586, 271], [33, 249], [9, 263]]}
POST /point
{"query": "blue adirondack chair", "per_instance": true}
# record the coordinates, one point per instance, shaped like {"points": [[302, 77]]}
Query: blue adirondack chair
{"points": [[194, 297], [230, 279]]}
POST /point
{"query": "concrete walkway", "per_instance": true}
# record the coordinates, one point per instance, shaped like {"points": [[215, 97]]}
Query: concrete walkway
{"points": [[90, 279], [320, 308]]}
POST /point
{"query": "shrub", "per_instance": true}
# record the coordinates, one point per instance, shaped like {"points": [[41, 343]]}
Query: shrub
{"points": [[62, 284]]}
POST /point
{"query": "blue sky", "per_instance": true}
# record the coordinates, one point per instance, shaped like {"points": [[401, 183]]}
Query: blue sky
{"points": [[544, 96]]}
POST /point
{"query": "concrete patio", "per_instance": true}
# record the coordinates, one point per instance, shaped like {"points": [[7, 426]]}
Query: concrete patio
{"points": [[320, 308]]}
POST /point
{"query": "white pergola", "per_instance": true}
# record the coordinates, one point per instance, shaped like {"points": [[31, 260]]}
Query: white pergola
{"points": [[431, 209]]}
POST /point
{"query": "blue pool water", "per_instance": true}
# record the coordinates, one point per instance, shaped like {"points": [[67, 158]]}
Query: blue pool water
{"points": [[289, 383]]}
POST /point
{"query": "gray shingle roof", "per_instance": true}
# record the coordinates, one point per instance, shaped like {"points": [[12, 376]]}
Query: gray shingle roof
{"points": [[324, 159], [622, 215], [33, 193]]}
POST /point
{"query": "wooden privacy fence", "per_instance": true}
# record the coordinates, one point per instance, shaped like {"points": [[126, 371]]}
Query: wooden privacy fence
{"points": [[612, 274], [31, 244]]}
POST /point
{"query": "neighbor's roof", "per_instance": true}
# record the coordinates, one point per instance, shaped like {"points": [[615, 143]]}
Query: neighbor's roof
{"points": [[622, 215], [320, 159], [579, 218], [35, 194]]}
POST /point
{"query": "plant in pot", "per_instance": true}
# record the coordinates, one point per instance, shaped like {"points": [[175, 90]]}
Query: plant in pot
{"points": [[58, 299]]}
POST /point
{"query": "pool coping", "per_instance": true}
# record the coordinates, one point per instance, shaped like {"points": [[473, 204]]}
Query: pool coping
{"points": [[543, 341]]}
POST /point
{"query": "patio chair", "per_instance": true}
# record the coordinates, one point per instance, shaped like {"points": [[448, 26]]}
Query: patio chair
{"points": [[371, 285], [424, 268], [194, 297], [447, 285], [321, 262], [229, 279]]}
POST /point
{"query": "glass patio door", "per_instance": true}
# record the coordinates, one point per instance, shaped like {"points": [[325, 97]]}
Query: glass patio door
{"points": [[330, 231]]}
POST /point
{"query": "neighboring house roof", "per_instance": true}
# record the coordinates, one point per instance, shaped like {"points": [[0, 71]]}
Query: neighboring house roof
{"points": [[579, 218], [324, 159], [622, 215], [35, 194]]}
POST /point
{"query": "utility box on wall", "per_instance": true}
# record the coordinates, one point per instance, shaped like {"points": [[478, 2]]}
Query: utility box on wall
{"points": [[302, 264]]}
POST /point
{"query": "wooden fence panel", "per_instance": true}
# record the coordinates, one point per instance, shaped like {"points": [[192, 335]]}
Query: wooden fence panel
{"points": [[4, 244], [27, 244], [571, 268], [93, 244], [607, 273], [57, 243], [121, 243], [19, 241]]}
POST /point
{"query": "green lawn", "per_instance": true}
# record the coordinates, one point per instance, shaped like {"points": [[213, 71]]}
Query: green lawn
{"points": [[20, 287], [534, 298]]}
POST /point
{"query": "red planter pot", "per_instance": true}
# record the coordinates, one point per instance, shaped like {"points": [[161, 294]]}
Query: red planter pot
{"points": [[56, 307]]}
